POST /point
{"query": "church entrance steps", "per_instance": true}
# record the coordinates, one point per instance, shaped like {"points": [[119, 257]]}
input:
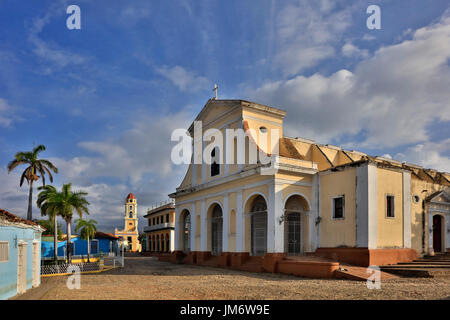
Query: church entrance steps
{"points": [[426, 267], [360, 273], [425, 262]]}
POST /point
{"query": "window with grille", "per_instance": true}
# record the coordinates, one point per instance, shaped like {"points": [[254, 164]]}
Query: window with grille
{"points": [[390, 206], [4, 251], [338, 207]]}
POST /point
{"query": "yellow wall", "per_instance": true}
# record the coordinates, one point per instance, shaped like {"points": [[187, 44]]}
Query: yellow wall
{"points": [[390, 230], [335, 233]]}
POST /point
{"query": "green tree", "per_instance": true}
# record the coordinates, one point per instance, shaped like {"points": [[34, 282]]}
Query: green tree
{"points": [[87, 231], [35, 165], [46, 202], [64, 204]]}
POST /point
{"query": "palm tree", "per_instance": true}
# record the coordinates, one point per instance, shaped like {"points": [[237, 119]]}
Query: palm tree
{"points": [[35, 165], [87, 230], [64, 203], [46, 200]]}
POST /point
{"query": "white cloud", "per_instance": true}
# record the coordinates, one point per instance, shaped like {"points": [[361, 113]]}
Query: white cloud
{"points": [[6, 113], [349, 50], [49, 51], [307, 32], [391, 97], [428, 155], [185, 80]]}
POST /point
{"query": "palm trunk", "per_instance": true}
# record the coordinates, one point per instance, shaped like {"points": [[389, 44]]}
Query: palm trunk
{"points": [[69, 241], [30, 201], [55, 240], [89, 249]]}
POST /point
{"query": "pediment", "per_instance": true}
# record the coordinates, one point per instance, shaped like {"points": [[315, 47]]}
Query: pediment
{"points": [[440, 197]]}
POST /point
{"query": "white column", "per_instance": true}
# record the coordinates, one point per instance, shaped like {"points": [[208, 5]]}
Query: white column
{"points": [[275, 229], [447, 231], [366, 206], [314, 214], [240, 223], [172, 242], [226, 223], [178, 227], [193, 227], [430, 232], [225, 153], [406, 209], [203, 228]]}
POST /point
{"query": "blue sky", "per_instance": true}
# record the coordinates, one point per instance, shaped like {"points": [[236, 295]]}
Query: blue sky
{"points": [[104, 99]]}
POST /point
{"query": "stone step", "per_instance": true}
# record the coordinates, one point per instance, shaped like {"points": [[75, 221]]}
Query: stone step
{"points": [[418, 272], [422, 262], [420, 266], [360, 274]]}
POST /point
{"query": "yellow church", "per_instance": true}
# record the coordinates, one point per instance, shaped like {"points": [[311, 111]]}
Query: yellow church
{"points": [[128, 237], [308, 200]]}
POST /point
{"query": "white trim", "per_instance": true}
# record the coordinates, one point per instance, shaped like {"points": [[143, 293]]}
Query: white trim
{"points": [[203, 228], [295, 182], [366, 206], [221, 193], [193, 230], [296, 193], [252, 194], [225, 224], [240, 223], [407, 209], [245, 117]]}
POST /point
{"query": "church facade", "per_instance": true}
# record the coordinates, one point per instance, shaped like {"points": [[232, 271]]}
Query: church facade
{"points": [[128, 237], [310, 199]]}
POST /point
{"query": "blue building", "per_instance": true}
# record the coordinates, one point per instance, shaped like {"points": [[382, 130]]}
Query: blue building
{"points": [[104, 243], [20, 254]]}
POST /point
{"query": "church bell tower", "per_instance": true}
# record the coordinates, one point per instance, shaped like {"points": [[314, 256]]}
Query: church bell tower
{"points": [[131, 220]]}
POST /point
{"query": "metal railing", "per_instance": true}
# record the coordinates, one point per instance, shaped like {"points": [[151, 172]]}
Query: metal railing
{"points": [[159, 226]]}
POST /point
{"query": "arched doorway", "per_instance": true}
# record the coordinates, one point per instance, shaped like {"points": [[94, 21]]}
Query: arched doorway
{"points": [[437, 233], [294, 221], [216, 230], [186, 231], [258, 213]]}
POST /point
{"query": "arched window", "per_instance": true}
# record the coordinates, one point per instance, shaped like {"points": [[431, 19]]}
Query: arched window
{"points": [[215, 166]]}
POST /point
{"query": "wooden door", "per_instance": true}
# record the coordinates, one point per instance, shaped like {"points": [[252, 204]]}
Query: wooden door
{"points": [[437, 233]]}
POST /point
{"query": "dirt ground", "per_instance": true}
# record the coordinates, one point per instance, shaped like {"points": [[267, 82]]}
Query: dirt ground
{"points": [[149, 279]]}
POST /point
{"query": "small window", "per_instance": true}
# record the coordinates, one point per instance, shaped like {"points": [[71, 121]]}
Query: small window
{"points": [[157, 220], [4, 251], [215, 167], [131, 214], [416, 199], [338, 207], [390, 206], [263, 129], [167, 218]]}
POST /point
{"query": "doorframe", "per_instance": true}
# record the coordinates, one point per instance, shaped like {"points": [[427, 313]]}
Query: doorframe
{"points": [[36, 264], [22, 287], [443, 216]]}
